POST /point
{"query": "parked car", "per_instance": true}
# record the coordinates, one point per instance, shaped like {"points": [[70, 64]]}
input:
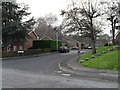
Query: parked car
{"points": [[75, 48], [64, 49], [88, 47]]}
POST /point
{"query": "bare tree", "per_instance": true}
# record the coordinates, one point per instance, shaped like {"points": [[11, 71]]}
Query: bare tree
{"points": [[51, 19], [82, 20], [103, 40], [45, 26], [119, 7], [111, 10]]}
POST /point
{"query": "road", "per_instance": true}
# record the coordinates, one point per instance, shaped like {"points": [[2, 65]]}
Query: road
{"points": [[43, 72]]}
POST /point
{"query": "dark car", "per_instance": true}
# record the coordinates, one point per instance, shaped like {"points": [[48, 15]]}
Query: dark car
{"points": [[64, 49]]}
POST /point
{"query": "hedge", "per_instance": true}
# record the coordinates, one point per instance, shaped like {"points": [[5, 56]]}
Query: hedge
{"points": [[42, 44], [27, 52]]}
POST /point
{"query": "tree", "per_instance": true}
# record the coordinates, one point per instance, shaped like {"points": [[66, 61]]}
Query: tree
{"points": [[103, 39], [0, 22], [119, 8], [82, 20], [44, 28], [14, 29], [50, 19], [112, 10], [82, 39]]}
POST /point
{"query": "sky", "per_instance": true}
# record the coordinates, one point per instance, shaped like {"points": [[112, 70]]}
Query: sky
{"points": [[40, 8]]}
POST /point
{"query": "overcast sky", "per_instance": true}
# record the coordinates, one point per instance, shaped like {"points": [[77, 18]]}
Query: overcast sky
{"points": [[40, 8]]}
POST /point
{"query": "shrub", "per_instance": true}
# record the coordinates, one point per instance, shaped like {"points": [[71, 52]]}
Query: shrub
{"points": [[42, 44], [27, 52], [9, 54], [33, 51]]}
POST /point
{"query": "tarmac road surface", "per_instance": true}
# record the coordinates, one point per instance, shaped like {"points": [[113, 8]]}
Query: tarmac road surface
{"points": [[43, 72]]}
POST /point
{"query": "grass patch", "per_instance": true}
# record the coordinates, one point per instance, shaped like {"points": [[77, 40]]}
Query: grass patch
{"points": [[101, 49], [106, 61], [98, 50]]}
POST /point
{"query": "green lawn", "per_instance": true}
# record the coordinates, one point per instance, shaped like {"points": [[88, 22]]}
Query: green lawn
{"points": [[106, 61], [104, 48], [99, 50]]}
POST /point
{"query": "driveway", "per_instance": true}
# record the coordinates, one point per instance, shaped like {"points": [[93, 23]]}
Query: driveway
{"points": [[43, 72]]}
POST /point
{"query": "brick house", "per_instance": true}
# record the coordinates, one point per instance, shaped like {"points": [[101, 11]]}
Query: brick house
{"points": [[45, 38], [24, 45], [117, 38]]}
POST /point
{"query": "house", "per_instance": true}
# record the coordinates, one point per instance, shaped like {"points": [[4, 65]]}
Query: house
{"points": [[45, 38], [24, 45], [117, 32], [71, 43], [29, 42], [117, 38]]}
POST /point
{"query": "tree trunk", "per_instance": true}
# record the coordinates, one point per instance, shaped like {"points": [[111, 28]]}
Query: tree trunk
{"points": [[93, 47], [92, 37], [113, 22], [113, 33]]}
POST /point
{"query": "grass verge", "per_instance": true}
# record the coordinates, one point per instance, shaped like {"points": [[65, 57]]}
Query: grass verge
{"points": [[106, 61], [99, 50]]}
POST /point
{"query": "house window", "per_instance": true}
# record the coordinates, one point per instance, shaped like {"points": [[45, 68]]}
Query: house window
{"points": [[20, 47], [8, 48], [14, 48]]}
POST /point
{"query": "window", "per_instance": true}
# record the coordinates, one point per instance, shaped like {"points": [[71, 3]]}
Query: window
{"points": [[14, 48], [8, 48], [20, 47]]}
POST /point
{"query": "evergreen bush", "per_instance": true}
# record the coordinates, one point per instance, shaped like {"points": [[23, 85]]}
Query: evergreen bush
{"points": [[43, 44]]}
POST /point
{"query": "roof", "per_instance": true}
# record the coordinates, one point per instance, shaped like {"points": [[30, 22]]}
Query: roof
{"points": [[117, 33], [34, 33], [45, 38]]}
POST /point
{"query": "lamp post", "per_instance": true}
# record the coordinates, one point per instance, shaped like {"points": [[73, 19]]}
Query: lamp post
{"points": [[57, 40], [79, 52], [56, 30]]}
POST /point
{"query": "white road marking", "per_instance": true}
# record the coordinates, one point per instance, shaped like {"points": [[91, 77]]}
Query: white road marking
{"points": [[58, 71], [105, 74], [66, 75]]}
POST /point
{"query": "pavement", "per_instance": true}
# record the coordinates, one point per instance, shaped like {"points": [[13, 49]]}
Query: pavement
{"points": [[73, 67], [28, 56]]}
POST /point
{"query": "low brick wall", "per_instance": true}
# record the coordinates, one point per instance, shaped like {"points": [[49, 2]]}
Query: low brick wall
{"points": [[27, 52]]}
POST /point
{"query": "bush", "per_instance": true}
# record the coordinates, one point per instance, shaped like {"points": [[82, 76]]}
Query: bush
{"points": [[42, 44], [27, 52], [33, 51], [9, 54]]}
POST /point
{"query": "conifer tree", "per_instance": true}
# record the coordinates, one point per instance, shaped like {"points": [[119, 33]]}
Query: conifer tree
{"points": [[14, 28]]}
